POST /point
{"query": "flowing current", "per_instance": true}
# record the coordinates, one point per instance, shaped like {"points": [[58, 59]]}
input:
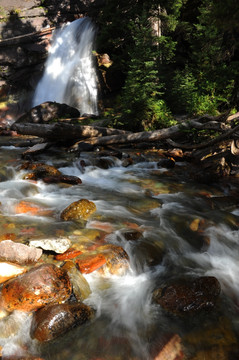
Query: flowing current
{"points": [[173, 213], [69, 75]]}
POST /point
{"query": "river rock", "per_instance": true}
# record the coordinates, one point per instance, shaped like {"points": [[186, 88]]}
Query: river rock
{"points": [[132, 235], [54, 320], [117, 260], [59, 245], [39, 171], [29, 208], [18, 253], [188, 296], [48, 111], [9, 270], [81, 209], [69, 254], [65, 179], [81, 288], [172, 350], [166, 163], [40, 286], [90, 262]]}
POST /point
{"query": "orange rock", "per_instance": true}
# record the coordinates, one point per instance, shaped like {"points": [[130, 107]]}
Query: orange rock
{"points": [[41, 285], [68, 254], [90, 263], [26, 207]]}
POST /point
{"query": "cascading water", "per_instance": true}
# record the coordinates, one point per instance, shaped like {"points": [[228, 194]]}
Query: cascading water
{"points": [[69, 75]]}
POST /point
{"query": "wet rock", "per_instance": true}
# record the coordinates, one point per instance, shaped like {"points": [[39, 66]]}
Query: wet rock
{"points": [[166, 163], [40, 171], [59, 245], [40, 286], [127, 162], [9, 270], [117, 260], [149, 253], [172, 350], [81, 288], [71, 253], [29, 208], [48, 111], [54, 320], [90, 263], [81, 209], [213, 340], [65, 179], [132, 235], [18, 253], [188, 296], [104, 163]]}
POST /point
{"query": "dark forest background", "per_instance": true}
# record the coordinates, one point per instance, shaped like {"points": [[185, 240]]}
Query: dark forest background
{"points": [[188, 64]]}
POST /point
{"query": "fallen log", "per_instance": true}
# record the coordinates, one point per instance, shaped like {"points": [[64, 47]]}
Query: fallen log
{"points": [[150, 136], [205, 144], [64, 131]]}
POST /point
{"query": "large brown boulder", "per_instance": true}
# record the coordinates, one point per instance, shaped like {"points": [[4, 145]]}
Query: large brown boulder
{"points": [[42, 285], [48, 111], [188, 296], [54, 320]]}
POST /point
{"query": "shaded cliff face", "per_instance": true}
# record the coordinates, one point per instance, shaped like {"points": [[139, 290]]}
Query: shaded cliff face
{"points": [[26, 28]]}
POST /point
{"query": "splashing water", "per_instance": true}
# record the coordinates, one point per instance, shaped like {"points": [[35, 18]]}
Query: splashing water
{"points": [[69, 75], [127, 324]]}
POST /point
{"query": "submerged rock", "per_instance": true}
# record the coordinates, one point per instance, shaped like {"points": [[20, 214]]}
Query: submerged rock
{"points": [[18, 253], [117, 260], [54, 320], [172, 350], [188, 296], [81, 288], [81, 209], [29, 208], [40, 286]]}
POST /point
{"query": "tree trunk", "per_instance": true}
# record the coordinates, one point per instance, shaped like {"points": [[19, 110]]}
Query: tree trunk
{"points": [[64, 131]]}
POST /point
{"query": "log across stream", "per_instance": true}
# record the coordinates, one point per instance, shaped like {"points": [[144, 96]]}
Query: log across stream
{"points": [[173, 229]]}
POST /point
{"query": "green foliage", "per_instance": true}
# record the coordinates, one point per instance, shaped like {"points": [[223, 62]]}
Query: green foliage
{"points": [[193, 67], [142, 106]]}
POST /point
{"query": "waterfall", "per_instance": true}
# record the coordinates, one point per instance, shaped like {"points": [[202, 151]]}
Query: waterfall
{"points": [[69, 75]]}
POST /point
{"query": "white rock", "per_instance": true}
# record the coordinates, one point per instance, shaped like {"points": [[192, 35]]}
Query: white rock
{"points": [[18, 253], [59, 245], [8, 271]]}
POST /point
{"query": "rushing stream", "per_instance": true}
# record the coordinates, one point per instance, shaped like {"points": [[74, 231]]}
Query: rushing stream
{"points": [[182, 234]]}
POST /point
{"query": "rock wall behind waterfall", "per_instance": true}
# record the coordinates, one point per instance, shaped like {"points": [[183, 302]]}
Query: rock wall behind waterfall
{"points": [[25, 32]]}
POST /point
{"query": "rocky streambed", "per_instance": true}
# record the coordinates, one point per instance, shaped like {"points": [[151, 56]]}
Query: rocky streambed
{"points": [[116, 256]]}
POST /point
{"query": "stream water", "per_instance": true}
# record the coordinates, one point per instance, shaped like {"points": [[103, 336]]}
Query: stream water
{"points": [[175, 216]]}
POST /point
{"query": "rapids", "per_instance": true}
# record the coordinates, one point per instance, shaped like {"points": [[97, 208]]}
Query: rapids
{"points": [[182, 234]]}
